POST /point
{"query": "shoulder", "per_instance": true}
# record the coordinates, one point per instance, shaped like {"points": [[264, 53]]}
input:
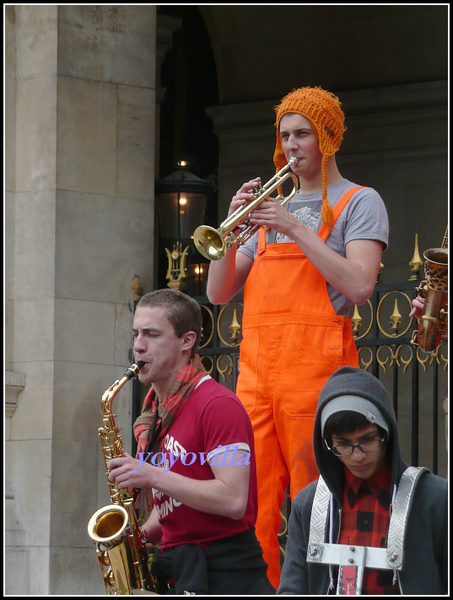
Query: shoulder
{"points": [[365, 205], [364, 195], [210, 392], [429, 497], [365, 216], [212, 400], [435, 487]]}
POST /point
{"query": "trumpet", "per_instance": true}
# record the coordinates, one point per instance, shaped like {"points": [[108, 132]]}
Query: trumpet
{"points": [[212, 243]]}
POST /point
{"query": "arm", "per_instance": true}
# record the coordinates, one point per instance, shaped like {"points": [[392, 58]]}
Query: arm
{"points": [[225, 495], [354, 275], [294, 577], [152, 528], [226, 277]]}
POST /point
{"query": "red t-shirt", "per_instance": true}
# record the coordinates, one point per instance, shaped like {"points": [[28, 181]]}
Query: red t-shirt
{"points": [[211, 419]]}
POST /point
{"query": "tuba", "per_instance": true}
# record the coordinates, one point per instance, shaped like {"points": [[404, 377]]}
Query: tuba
{"points": [[433, 324], [212, 243], [114, 529]]}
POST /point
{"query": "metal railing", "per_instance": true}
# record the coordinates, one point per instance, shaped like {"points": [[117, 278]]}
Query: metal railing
{"points": [[415, 381]]}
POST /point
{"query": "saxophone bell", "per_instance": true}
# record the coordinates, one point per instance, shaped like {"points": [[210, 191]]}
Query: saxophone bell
{"points": [[433, 324], [109, 526]]}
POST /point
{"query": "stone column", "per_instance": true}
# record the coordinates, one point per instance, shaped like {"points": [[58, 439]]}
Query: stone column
{"points": [[80, 220]]}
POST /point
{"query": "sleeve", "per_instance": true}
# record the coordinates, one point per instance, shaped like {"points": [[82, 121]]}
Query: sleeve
{"points": [[250, 247], [366, 218], [294, 576], [426, 544], [225, 426]]}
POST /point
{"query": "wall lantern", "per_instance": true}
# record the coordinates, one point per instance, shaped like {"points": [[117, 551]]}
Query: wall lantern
{"points": [[181, 199]]}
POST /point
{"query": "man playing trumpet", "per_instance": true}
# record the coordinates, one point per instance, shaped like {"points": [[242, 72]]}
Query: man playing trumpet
{"points": [[302, 274]]}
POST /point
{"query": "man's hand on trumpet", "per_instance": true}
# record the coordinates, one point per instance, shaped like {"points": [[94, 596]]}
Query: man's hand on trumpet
{"points": [[273, 215], [244, 195]]}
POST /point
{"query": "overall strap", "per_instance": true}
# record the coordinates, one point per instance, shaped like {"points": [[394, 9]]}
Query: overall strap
{"points": [[324, 231]]}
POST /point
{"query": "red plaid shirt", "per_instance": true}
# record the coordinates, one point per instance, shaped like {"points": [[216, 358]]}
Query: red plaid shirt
{"points": [[365, 522]]}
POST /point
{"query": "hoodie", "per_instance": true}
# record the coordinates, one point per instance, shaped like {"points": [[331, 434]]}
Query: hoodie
{"points": [[425, 549]]}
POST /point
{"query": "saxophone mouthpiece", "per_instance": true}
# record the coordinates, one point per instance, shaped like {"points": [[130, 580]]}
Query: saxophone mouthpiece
{"points": [[133, 370]]}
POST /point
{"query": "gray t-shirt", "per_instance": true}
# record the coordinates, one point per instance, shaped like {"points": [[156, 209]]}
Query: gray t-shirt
{"points": [[364, 218]]}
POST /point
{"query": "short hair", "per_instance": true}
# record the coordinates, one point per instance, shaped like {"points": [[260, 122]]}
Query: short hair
{"points": [[182, 311], [346, 422]]}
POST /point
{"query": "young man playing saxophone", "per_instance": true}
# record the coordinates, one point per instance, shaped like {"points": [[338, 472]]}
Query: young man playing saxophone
{"points": [[196, 460]]}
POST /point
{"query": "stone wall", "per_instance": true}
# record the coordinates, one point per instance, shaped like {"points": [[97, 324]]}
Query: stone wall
{"points": [[80, 157]]}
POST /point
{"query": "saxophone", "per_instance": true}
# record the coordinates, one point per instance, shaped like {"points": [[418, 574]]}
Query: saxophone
{"points": [[433, 324], [114, 529]]}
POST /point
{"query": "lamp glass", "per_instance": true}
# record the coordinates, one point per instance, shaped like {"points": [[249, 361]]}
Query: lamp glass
{"points": [[180, 213]]}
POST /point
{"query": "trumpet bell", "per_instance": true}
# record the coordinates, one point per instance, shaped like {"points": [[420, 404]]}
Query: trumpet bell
{"points": [[209, 242]]}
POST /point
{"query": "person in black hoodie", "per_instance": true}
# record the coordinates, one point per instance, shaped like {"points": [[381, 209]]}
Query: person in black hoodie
{"points": [[370, 524]]}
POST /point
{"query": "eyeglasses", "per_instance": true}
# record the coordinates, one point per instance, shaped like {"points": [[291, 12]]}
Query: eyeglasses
{"points": [[348, 449]]}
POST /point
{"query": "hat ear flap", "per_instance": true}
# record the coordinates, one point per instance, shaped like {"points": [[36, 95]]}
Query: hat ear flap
{"points": [[326, 207], [279, 155]]}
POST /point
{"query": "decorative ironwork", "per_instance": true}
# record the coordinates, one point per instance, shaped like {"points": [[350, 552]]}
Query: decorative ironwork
{"points": [[177, 267], [416, 262], [207, 326], [382, 331], [360, 315], [228, 325], [395, 318]]}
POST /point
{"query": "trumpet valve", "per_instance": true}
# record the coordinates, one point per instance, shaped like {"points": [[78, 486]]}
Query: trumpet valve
{"points": [[257, 189]]}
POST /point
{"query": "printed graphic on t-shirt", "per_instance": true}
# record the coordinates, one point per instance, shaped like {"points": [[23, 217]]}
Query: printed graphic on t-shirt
{"points": [[308, 213], [173, 456]]}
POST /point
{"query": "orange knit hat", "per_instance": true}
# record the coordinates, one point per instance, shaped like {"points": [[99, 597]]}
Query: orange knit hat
{"points": [[323, 111]]}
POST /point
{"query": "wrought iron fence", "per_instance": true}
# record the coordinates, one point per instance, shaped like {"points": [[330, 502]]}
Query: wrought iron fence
{"points": [[415, 381]]}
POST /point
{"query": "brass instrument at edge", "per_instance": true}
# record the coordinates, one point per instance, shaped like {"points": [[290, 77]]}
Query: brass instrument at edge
{"points": [[433, 324], [212, 243], [114, 529]]}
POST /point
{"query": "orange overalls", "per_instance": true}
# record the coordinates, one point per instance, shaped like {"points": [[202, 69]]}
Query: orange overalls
{"points": [[292, 342]]}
